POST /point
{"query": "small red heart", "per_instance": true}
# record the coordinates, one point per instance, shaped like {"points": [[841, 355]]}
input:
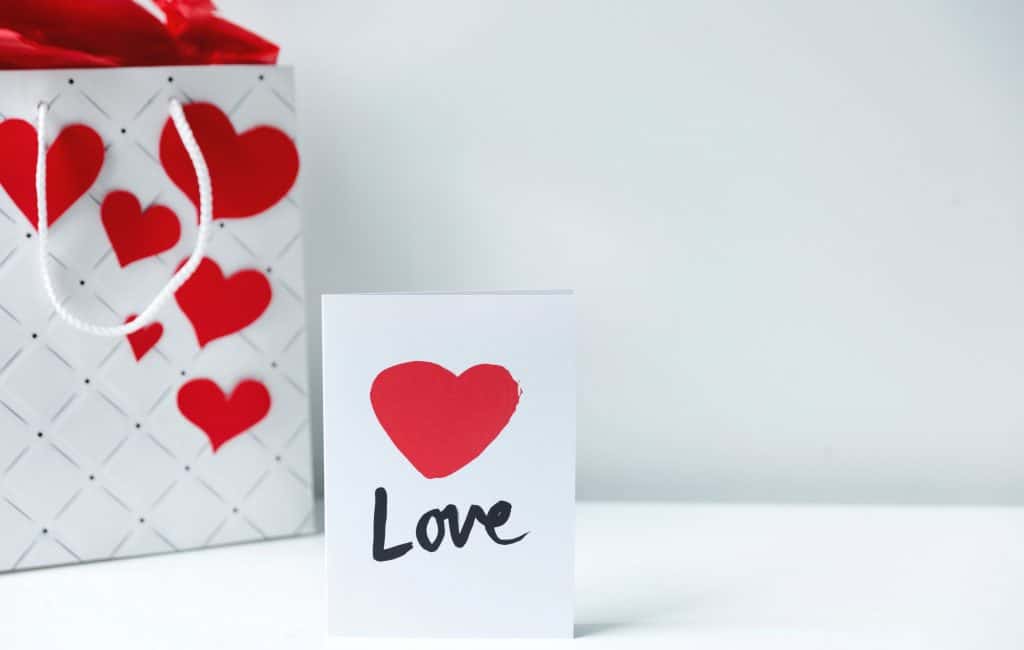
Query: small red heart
{"points": [[222, 417], [143, 340], [73, 162], [135, 234], [249, 171], [441, 421], [218, 306]]}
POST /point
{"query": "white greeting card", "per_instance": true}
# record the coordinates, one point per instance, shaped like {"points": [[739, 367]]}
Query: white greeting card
{"points": [[450, 425]]}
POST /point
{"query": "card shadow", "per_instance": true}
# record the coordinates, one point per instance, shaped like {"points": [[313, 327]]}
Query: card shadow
{"points": [[581, 630], [643, 609]]}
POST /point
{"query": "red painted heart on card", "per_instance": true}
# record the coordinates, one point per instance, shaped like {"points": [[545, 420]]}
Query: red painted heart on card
{"points": [[222, 417], [249, 171], [441, 421], [143, 340], [73, 162], [135, 234], [217, 305]]}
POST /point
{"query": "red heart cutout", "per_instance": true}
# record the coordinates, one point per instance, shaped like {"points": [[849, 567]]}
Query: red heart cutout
{"points": [[218, 306], [249, 171], [441, 421], [73, 162], [220, 416], [135, 234], [143, 340]]}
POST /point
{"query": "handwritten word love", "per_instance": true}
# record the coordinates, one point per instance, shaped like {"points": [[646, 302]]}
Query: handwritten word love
{"points": [[495, 517]]}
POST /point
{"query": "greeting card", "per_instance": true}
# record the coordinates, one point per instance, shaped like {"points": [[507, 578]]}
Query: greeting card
{"points": [[450, 452]]}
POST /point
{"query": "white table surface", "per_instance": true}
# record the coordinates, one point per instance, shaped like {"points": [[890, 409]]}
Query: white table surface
{"points": [[648, 575]]}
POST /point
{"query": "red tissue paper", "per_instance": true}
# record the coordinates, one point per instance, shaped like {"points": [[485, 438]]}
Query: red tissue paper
{"points": [[109, 33]]}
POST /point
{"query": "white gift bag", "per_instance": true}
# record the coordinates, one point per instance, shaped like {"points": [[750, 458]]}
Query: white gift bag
{"points": [[193, 429]]}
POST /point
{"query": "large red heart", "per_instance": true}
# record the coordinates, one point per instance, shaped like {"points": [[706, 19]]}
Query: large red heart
{"points": [[73, 162], [222, 417], [217, 305], [135, 234], [249, 171], [143, 340], [441, 421]]}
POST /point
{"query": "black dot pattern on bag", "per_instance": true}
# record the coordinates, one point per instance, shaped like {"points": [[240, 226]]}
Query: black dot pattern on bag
{"points": [[44, 443]]}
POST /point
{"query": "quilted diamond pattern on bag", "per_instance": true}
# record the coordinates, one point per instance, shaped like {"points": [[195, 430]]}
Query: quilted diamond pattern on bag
{"points": [[96, 459]]}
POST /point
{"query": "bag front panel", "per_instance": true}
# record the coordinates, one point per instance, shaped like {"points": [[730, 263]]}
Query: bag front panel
{"points": [[102, 454]]}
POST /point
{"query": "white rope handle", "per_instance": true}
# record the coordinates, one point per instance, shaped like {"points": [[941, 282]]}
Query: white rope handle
{"points": [[179, 278]]}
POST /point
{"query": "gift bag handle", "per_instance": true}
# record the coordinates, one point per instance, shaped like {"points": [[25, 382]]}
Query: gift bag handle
{"points": [[179, 278]]}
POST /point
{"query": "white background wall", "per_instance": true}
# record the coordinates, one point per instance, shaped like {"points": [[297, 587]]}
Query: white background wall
{"points": [[796, 228]]}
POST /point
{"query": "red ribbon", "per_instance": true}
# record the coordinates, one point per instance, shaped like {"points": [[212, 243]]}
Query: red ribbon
{"points": [[107, 33]]}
